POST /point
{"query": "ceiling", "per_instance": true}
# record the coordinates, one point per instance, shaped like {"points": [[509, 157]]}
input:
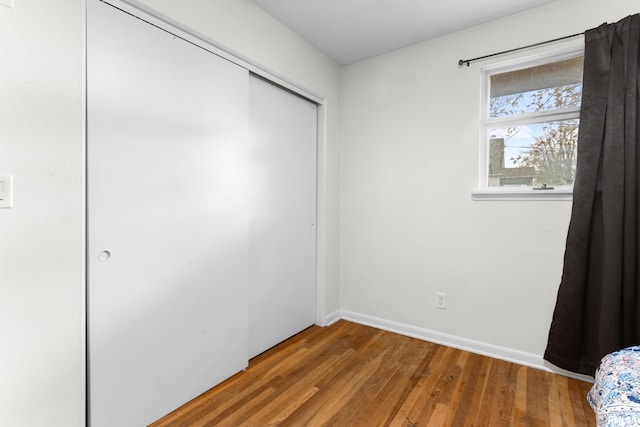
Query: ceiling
{"points": [[352, 30]]}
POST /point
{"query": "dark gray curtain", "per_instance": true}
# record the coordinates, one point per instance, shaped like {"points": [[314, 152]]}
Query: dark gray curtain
{"points": [[597, 310]]}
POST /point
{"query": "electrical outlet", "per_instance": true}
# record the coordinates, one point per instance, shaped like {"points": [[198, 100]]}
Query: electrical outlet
{"points": [[441, 300]]}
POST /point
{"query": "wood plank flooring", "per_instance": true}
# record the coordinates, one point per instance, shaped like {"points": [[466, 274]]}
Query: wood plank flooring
{"points": [[353, 375]]}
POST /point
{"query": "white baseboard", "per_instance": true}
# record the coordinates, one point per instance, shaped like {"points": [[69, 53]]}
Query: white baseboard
{"points": [[478, 347], [332, 318]]}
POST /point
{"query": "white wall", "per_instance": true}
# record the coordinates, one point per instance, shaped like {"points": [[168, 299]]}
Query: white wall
{"points": [[41, 238], [42, 328], [410, 147]]}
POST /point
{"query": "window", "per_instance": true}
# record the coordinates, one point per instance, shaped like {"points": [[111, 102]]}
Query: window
{"points": [[530, 124]]}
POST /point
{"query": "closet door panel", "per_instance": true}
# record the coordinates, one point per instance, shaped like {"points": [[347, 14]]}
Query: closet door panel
{"points": [[282, 256], [167, 219]]}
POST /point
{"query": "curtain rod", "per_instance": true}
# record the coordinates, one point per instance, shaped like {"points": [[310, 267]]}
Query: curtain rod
{"points": [[468, 61]]}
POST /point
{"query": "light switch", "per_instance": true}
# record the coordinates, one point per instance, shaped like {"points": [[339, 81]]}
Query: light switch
{"points": [[6, 191], [7, 3]]}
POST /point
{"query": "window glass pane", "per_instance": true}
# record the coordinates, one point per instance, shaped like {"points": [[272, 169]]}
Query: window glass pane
{"points": [[547, 87], [533, 154]]}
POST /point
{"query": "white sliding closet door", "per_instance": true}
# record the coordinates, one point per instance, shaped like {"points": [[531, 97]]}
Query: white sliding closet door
{"points": [[167, 219], [282, 260]]}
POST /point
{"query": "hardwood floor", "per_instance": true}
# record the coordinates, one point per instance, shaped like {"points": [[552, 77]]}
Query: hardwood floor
{"points": [[353, 375]]}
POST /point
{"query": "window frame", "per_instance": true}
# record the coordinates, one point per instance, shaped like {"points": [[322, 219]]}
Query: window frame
{"points": [[484, 191]]}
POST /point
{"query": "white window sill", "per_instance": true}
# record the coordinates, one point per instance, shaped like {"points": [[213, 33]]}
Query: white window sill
{"points": [[521, 194]]}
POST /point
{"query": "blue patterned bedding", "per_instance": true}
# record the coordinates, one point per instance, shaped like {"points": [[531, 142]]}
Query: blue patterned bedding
{"points": [[615, 395]]}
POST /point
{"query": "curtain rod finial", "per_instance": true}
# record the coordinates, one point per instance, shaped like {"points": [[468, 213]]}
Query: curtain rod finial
{"points": [[462, 62]]}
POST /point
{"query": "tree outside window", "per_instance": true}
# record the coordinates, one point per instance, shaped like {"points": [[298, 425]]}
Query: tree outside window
{"points": [[532, 124]]}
